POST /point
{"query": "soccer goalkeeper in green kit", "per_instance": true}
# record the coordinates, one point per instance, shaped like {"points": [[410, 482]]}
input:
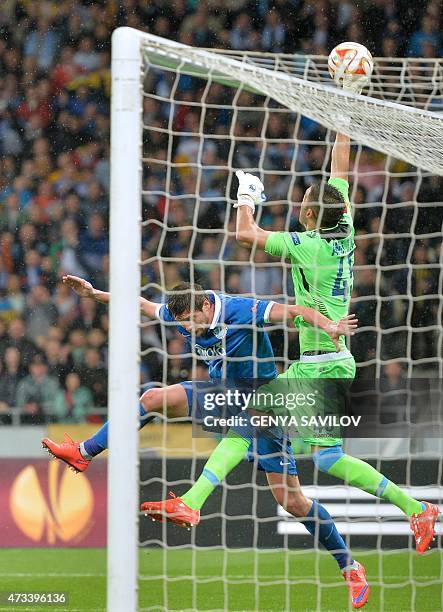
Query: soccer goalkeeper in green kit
{"points": [[322, 259]]}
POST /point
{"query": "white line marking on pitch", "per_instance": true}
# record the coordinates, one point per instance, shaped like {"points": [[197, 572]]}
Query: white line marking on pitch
{"points": [[51, 575], [251, 577]]}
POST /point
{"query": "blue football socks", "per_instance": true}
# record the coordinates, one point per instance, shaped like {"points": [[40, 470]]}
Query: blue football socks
{"points": [[323, 527], [99, 441]]}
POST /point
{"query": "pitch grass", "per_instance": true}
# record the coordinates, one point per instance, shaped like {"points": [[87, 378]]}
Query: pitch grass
{"points": [[264, 581]]}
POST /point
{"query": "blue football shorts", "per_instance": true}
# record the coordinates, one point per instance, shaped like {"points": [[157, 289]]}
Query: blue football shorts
{"points": [[272, 451]]}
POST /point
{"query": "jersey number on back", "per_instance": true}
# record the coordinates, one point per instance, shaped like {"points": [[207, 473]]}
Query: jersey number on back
{"points": [[341, 285]]}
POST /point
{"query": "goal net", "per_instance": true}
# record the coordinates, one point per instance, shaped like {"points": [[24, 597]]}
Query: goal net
{"points": [[183, 121]]}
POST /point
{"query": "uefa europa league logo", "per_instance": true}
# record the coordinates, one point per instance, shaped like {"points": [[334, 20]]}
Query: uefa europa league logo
{"points": [[59, 509]]}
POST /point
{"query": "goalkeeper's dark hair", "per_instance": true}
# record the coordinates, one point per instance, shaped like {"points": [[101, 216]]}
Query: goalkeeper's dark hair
{"points": [[327, 203], [186, 298]]}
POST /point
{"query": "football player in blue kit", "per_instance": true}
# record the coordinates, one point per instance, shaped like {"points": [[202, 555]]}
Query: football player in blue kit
{"points": [[222, 331]]}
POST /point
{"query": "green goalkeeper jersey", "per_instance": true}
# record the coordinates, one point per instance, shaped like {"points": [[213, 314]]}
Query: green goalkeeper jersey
{"points": [[322, 262]]}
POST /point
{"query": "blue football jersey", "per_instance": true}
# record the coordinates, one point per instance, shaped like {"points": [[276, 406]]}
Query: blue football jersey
{"points": [[232, 348]]}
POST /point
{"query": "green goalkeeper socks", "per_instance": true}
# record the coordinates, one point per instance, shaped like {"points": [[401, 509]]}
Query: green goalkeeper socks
{"points": [[230, 451], [402, 500], [359, 474]]}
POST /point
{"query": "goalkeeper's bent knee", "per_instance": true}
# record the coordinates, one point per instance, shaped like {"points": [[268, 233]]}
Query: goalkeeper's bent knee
{"points": [[325, 458]]}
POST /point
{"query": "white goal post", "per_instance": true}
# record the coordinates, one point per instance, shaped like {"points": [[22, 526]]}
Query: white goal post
{"points": [[412, 134], [124, 341]]}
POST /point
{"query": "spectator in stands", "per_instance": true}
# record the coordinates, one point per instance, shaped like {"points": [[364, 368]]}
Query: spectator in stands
{"points": [[73, 403], [274, 33], [64, 71], [32, 271], [93, 375], [389, 47], [95, 201], [260, 279], [40, 312], [36, 393], [210, 250], [41, 43], [88, 315], [94, 244], [11, 216], [97, 339], [11, 373], [66, 305], [204, 27], [66, 252], [16, 337], [86, 58], [16, 295], [56, 356], [242, 35], [77, 347], [428, 33]]}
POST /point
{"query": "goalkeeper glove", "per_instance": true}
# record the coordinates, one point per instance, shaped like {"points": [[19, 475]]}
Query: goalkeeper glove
{"points": [[355, 82], [250, 190]]}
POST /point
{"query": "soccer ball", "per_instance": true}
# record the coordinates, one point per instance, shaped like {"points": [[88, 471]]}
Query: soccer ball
{"points": [[350, 61]]}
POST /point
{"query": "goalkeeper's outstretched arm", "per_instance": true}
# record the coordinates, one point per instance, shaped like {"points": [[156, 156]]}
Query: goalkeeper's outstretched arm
{"points": [[340, 157], [248, 232], [249, 193], [342, 145], [84, 289]]}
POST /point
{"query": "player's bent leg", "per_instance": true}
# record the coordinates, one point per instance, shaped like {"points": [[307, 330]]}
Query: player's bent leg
{"points": [[172, 400], [423, 516], [332, 460], [288, 494], [318, 522], [185, 510], [329, 457], [78, 455]]}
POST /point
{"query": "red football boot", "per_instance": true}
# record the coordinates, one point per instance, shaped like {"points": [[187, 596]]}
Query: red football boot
{"points": [[68, 451], [174, 510], [423, 527], [358, 585]]}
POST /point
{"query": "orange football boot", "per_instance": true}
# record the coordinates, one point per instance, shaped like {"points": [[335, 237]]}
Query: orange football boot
{"points": [[358, 585], [423, 527], [68, 451], [174, 510]]}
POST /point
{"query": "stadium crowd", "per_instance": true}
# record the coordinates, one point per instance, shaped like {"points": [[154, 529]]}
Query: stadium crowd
{"points": [[54, 187]]}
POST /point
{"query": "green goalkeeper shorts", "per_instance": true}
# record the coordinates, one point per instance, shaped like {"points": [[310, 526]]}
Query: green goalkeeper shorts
{"points": [[308, 399], [307, 374]]}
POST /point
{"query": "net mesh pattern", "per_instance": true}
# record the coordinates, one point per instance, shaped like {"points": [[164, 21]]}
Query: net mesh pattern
{"points": [[207, 114]]}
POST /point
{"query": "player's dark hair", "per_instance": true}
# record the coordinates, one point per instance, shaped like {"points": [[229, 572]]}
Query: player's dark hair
{"points": [[327, 203], [186, 297]]}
